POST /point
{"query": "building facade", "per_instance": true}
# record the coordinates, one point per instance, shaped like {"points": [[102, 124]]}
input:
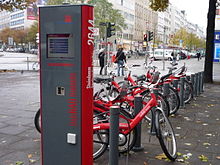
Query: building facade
{"points": [[145, 20], [127, 9]]}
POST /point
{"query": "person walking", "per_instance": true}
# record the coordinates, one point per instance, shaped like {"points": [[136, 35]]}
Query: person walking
{"points": [[121, 59], [101, 57], [198, 55]]}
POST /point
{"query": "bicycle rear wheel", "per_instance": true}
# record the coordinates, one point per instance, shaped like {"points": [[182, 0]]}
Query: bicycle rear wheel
{"points": [[100, 137], [188, 91], [173, 100], [165, 135]]}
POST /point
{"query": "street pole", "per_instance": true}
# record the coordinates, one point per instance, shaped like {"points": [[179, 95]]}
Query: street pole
{"points": [[164, 40], [106, 55]]}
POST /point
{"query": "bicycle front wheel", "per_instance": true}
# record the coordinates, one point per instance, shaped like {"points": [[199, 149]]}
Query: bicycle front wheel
{"points": [[165, 135]]}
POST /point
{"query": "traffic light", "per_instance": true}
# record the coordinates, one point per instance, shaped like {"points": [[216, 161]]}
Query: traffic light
{"points": [[145, 37], [110, 29], [150, 35]]}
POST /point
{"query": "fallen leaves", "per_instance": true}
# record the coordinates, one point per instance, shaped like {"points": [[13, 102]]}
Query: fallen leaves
{"points": [[217, 157], [206, 144], [210, 105], [161, 156], [203, 158], [19, 163], [188, 144]]}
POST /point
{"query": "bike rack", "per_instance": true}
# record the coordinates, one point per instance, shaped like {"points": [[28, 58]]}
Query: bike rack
{"points": [[114, 135], [182, 79], [137, 108]]}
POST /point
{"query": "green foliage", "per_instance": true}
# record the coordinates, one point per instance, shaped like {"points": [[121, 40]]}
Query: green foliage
{"points": [[104, 12], [11, 4], [190, 40], [32, 31], [159, 5]]}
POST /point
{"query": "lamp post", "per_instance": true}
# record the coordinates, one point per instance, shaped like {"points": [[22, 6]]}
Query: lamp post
{"points": [[164, 41]]}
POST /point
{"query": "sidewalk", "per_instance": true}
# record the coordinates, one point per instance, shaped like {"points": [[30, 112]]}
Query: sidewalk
{"points": [[197, 134], [196, 127]]}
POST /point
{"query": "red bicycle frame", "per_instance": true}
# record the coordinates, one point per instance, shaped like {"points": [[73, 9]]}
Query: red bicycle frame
{"points": [[125, 128]]}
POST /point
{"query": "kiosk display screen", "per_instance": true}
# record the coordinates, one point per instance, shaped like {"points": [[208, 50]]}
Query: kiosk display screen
{"points": [[59, 45]]}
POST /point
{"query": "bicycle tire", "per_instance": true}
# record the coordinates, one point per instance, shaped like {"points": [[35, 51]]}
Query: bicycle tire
{"points": [[37, 121], [101, 144], [163, 103], [168, 134], [133, 134], [188, 92], [173, 100], [109, 96]]}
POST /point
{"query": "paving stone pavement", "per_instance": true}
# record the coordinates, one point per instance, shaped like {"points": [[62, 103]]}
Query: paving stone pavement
{"points": [[196, 126]]}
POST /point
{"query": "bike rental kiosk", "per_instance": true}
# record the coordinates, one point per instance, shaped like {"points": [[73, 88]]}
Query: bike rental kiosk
{"points": [[66, 75]]}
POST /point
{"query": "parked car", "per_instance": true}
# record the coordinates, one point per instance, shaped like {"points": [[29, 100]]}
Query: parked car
{"points": [[34, 51], [158, 54], [1, 49]]}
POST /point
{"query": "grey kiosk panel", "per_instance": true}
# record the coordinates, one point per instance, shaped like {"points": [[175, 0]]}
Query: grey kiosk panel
{"points": [[60, 42]]}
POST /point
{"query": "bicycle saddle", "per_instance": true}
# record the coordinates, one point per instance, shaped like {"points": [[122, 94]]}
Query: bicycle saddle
{"points": [[101, 80], [140, 78], [165, 76]]}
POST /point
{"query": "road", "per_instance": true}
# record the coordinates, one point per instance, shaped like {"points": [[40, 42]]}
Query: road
{"points": [[17, 61], [20, 142]]}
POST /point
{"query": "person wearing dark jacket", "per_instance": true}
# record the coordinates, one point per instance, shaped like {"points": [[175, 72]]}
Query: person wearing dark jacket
{"points": [[101, 60], [121, 59]]}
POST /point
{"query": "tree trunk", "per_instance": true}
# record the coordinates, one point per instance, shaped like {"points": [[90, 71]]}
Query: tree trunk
{"points": [[208, 72]]}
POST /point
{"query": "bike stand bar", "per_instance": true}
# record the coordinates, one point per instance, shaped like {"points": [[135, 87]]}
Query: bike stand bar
{"points": [[188, 78], [153, 128], [202, 82], [175, 84], [166, 90], [182, 79], [193, 83], [137, 108], [196, 84], [114, 135]]}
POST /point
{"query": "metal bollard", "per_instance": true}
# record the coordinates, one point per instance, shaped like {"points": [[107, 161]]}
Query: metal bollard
{"points": [[193, 83], [153, 128], [137, 108], [114, 135], [196, 84], [202, 81], [188, 78], [181, 94], [166, 90]]}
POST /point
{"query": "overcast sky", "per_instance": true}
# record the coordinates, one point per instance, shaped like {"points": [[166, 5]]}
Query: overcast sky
{"points": [[196, 10]]}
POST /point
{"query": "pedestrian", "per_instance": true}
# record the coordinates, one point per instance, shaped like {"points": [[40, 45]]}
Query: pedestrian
{"points": [[101, 60], [198, 55], [173, 54], [121, 60]]}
